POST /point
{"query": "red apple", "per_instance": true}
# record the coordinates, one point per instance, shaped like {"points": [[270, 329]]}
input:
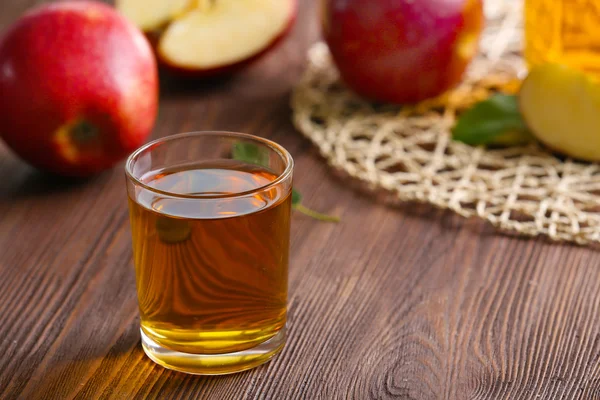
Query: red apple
{"points": [[209, 37], [402, 51], [79, 85]]}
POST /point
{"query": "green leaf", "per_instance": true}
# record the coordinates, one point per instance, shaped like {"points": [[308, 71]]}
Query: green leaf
{"points": [[495, 121], [297, 205], [250, 153], [512, 138], [173, 231], [296, 197]]}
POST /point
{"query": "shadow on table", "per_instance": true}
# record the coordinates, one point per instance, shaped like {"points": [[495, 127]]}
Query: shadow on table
{"points": [[36, 183], [445, 218], [182, 86], [123, 372]]}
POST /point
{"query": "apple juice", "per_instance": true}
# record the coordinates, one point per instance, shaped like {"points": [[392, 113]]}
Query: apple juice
{"points": [[563, 31], [212, 266]]}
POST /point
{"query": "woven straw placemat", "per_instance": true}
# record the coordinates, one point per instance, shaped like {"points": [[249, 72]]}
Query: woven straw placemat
{"points": [[408, 152]]}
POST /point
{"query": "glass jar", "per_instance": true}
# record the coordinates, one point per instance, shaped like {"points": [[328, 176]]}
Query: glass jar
{"points": [[563, 31]]}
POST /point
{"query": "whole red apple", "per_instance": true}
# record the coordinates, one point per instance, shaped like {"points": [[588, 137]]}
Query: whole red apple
{"points": [[200, 38], [79, 87], [402, 51]]}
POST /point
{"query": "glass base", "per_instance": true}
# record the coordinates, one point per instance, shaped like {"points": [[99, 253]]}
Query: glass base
{"points": [[213, 364]]}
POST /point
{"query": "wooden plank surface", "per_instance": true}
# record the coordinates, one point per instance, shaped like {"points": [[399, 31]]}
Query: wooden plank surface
{"points": [[406, 303]]}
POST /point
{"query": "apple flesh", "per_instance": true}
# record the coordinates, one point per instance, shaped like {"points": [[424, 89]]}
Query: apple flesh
{"points": [[78, 100], [561, 107], [149, 15], [402, 51], [210, 37]]}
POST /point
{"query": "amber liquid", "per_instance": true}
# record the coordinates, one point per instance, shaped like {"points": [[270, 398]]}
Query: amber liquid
{"points": [[211, 272], [563, 31]]}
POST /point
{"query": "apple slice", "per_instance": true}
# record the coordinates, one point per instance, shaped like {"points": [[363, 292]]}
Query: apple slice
{"points": [[219, 34], [561, 107], [150, 15]]}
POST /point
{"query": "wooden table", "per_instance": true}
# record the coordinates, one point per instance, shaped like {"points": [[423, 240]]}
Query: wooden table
{"points": [[406, 303]]}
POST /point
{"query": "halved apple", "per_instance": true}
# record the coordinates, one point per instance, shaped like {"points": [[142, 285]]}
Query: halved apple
{"points": [[150, 15], [561, 107], [205, 37]]}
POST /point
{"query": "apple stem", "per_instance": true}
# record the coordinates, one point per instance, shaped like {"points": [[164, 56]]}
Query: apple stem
{"points": [[316, 215]]}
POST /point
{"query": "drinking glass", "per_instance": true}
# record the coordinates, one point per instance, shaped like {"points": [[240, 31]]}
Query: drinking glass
{"points": [[210, 222]]}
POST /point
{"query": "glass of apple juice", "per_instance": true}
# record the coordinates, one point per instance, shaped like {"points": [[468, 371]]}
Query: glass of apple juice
{"points": [[565, 32], [210, 222]]}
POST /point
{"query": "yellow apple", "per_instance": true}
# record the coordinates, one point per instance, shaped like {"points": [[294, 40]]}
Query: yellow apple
{"points": [[561, 107]]}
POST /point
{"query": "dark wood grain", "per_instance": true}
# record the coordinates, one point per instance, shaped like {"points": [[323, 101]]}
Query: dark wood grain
{"points": [[407, 303]]}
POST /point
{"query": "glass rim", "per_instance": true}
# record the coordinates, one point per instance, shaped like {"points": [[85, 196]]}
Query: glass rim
{"points": [[277, 148]]}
